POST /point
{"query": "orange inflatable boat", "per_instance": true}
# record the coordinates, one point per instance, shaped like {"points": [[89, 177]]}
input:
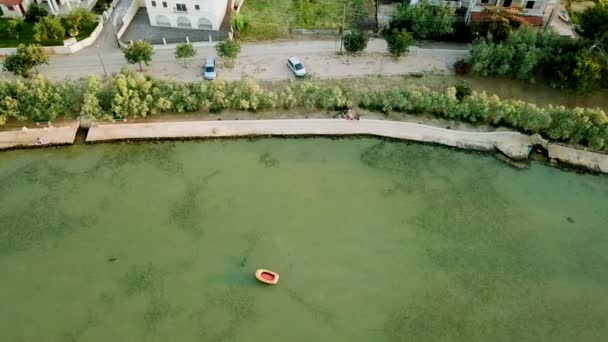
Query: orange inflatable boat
{"points": [[267, 277]]}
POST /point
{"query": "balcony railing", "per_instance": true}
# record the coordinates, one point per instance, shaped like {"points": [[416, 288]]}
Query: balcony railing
{"points": [[533, 11], [453, 4], [449, 3]]}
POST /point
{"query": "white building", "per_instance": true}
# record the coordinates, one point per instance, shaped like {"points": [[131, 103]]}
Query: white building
{"points": [[189, 14], [18, 8]]}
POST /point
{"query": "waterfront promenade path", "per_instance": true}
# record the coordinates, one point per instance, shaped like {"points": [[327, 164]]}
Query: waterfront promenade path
{"points": [[64, 134], [513, 144]]}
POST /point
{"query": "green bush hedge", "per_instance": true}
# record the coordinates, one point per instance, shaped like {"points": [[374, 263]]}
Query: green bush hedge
{"points": [[133, 95], [578, 126]]}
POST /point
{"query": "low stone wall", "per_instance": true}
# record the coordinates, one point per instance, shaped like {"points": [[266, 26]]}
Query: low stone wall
{"points": [[315, 31], [583, 159], [39, 137]]}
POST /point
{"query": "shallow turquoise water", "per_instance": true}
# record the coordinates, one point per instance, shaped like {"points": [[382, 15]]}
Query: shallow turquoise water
{"points": [[374, 241]]}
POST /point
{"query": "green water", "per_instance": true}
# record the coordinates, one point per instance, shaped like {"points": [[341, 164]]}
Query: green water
{"points": [[374, 241]]}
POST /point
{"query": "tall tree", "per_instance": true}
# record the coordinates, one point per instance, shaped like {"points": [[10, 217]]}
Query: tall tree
{"points": [[184, 52], [24, 59], [228, 49], [139, 52], [48, 28]]}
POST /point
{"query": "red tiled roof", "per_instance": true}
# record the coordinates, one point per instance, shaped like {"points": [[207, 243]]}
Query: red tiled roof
{"points": [[10, 2], [532, 20]]}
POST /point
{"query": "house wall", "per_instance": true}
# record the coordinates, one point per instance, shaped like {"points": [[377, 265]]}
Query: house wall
{"points": [[538, 4], [210, 12], [16, 11]]}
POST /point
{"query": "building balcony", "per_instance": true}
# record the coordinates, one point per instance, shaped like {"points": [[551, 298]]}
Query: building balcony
{"points": [[534, 11], [452, 4], [448, 3]]}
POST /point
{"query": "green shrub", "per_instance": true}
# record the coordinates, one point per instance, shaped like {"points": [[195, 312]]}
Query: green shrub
{"points": [[463, 90], [355, 41], [399, 42]]}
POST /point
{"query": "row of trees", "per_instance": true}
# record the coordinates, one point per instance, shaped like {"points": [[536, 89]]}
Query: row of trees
{"points": [[578, 126], [133, 95], [141, 52], [528, 53], [511, 48], [424, 20], [28, 57]]}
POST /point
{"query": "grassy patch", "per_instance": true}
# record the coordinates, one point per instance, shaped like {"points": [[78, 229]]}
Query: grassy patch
{"points": [[271, 19], [268, 19], [315, 14], [27, 35]]}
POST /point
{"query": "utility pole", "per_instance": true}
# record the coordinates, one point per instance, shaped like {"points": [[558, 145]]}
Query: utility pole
{"points": [[342, 28], [348, 37], [101, 60], [113, 27], [377, 8]]}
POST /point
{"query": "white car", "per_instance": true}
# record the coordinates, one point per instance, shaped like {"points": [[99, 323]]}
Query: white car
{"points": [[296, 66], [209, 72]]}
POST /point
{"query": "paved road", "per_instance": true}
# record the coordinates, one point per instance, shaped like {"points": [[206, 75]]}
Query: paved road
{"points": [[265, 61]]}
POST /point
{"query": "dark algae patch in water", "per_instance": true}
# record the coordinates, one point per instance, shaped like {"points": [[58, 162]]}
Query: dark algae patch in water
{"points": [[33, 221], [373, 240], [235, 307], [141, 279]]}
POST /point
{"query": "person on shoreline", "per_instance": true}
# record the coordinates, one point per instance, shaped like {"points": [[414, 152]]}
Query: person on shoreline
{"points": [[348, 115]]}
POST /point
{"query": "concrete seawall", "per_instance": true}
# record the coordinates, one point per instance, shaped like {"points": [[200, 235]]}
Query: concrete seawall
{"points": [[513, 144], [38, 137], [592, 161]]}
